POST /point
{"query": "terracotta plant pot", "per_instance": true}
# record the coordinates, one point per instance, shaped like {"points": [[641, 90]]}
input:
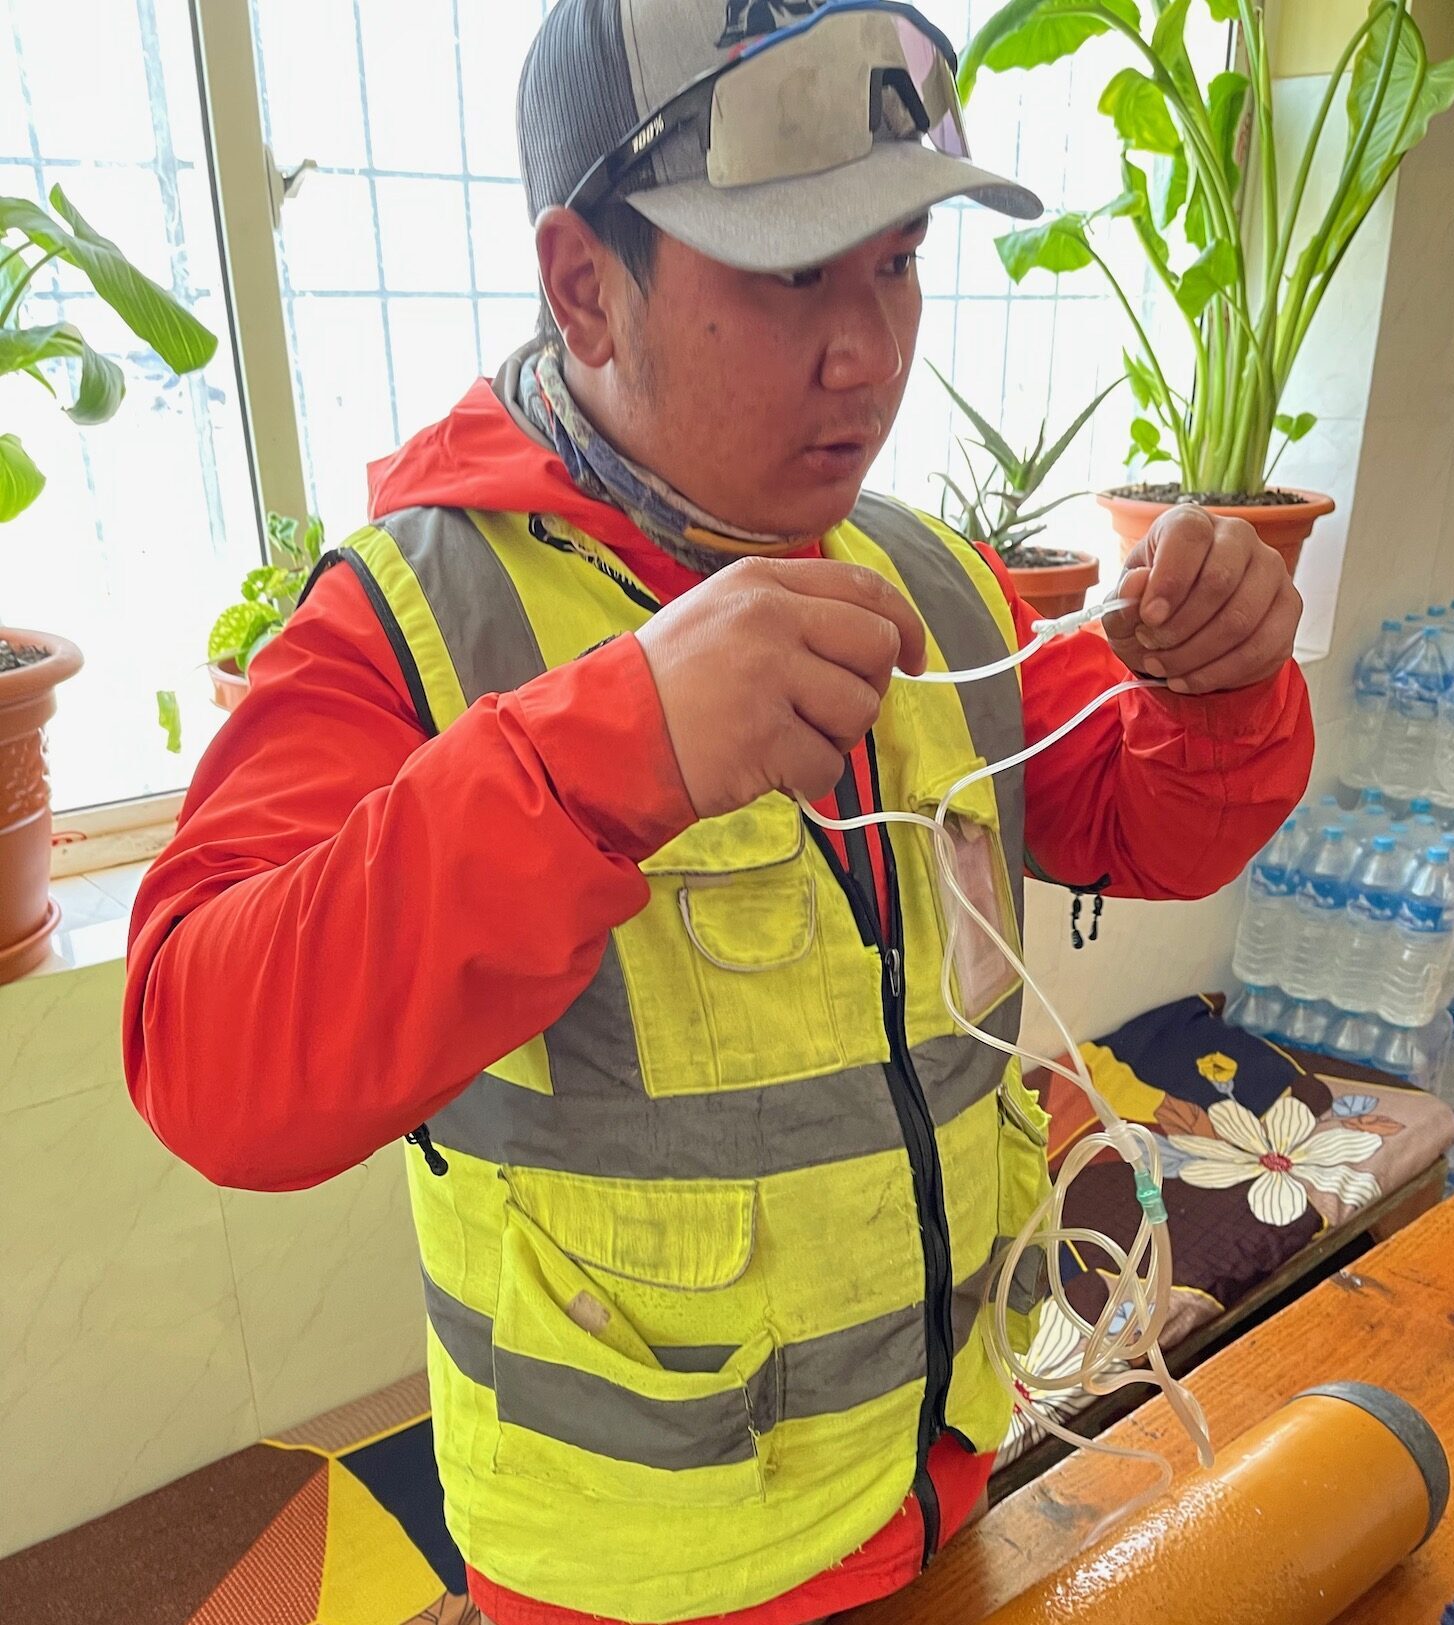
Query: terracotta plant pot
{"points": [[1285, 526], [27, 702], [1057, 589], [228, 684]]}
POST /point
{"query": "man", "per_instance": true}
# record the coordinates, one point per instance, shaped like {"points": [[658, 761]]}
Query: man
{"points": [[709, 1189]]}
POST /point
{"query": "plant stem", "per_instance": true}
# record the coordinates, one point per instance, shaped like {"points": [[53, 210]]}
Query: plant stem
{"points": [[1150, 355], [1255, 37], [1305, 169], [23, 284], [1308, 267]]}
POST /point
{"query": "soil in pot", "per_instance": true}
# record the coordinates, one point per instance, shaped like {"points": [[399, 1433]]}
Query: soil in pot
{"points": [[1051, 579], [28, 654], [1283, 518]]}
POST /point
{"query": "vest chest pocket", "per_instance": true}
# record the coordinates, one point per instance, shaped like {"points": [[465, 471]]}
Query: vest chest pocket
{"points": [[984, 977], [585, 1399], [734, 978]]}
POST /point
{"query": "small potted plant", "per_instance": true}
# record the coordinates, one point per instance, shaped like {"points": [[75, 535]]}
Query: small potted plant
{"points": [[1247, 281], [266, 599], [32, 664], [1054, 580]]}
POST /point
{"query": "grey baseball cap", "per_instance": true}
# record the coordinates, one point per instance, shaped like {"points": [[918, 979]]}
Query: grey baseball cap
{"points": [[599, 68]]}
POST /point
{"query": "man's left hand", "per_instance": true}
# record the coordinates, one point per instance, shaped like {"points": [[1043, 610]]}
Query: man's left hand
{"points": [[1213, 606]]}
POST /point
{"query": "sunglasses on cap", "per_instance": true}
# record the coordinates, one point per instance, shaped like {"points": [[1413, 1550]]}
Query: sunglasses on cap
{"points": [[804, 99]]}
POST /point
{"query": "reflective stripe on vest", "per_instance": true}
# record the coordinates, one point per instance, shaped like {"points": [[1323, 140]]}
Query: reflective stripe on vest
{"points": [[676, 1275]]}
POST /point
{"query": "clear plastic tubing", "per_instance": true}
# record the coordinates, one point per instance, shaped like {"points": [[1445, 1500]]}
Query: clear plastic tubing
{"points": [[1144, 1277]]}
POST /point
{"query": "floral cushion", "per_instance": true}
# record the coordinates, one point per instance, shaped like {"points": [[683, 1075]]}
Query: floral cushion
{"points": [[1263, 1149]]}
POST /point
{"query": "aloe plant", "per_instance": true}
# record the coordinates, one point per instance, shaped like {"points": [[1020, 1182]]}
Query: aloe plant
{"points": [[31, 238], [997, 513], [1249, 282]]}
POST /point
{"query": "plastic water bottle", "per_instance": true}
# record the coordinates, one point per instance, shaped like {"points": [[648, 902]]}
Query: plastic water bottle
{"points": [[1353, 1036], [1410, 742], [1374, 890], [1369, 818], [1370, 703], [1420, 944], [1264, 935], [1312, 816], [1307, 1023], [1256, 1010], [1424, 831], [1397, 1051], [1322, 887]]}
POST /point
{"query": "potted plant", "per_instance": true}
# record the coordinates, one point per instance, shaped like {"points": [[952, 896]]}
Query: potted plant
{"points": [[1054, 580], [266, 599], [32, 664], [1247, 281]]}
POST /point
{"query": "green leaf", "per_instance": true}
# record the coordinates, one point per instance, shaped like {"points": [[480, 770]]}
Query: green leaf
{"points": [[1145, 436], [1168, 42], [1130, 202], [1212, 272], [103, 384], [238, 627], [254, 645], [1142, 380], [1295, 428], [1226, 103], [25, 215], [22, 347], [1042, 465], [147, 309], [994, 443], [1057, 246], [21, 482], [267, 581], [169, 717], [1151, 239], [312, 548], [1223, 11], [1424, 89], [1198, 222], [1137, 107], [1030, 33], [1168, 189]]}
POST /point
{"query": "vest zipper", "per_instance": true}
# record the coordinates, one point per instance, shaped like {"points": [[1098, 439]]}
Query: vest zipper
{"points": [[917, 1126], [428, 1150]]}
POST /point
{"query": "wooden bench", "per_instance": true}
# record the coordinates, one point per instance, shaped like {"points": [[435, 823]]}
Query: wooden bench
{"points": [[1388, 1320]]}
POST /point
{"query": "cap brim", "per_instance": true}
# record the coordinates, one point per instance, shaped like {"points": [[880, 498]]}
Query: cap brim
{"points": [[788, 225]]}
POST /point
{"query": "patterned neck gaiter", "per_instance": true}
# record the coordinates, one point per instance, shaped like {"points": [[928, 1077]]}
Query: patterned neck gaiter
{"points": [[663, 515]]}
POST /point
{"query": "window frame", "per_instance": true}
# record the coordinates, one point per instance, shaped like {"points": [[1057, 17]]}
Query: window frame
{"points": [[246, 191]]}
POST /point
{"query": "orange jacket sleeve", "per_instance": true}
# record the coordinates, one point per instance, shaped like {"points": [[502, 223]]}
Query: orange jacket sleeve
{"points": [[1156, 795], [353, 918]]}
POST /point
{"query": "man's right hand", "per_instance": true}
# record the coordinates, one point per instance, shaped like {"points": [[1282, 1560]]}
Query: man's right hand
{"points": [[772, 671]]}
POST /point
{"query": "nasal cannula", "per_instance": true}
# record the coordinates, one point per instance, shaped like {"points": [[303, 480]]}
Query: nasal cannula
{"points": [[1106, 1363]]}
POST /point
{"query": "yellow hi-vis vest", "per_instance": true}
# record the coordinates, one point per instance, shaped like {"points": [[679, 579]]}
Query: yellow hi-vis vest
{"points": [[706, 1274]]}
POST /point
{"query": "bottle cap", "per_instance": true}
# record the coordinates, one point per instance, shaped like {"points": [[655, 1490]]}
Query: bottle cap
{"points": [[1383, 843], [1437, 854], [1333, 832], [1393, 626]]}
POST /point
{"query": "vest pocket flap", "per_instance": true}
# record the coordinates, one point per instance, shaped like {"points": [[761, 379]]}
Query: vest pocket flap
{"points": [[757, 923], [974, 804], [767, 832], [693, 1237]]}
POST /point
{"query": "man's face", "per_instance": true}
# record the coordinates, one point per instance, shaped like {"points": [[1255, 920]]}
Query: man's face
{"points": [[765, 398]]}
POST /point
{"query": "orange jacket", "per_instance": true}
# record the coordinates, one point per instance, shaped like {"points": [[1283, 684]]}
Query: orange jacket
{"points": [[353, 918]]}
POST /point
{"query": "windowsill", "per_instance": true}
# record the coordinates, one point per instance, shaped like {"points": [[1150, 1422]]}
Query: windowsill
{"points": [[95, 913]]}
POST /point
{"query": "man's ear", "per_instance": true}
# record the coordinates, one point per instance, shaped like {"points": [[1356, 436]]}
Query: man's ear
{"points": [[573, 275]]}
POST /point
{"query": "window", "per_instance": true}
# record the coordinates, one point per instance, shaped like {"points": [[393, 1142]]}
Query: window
{"points": [[404, 268], [408, 265], [129, 565]]}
